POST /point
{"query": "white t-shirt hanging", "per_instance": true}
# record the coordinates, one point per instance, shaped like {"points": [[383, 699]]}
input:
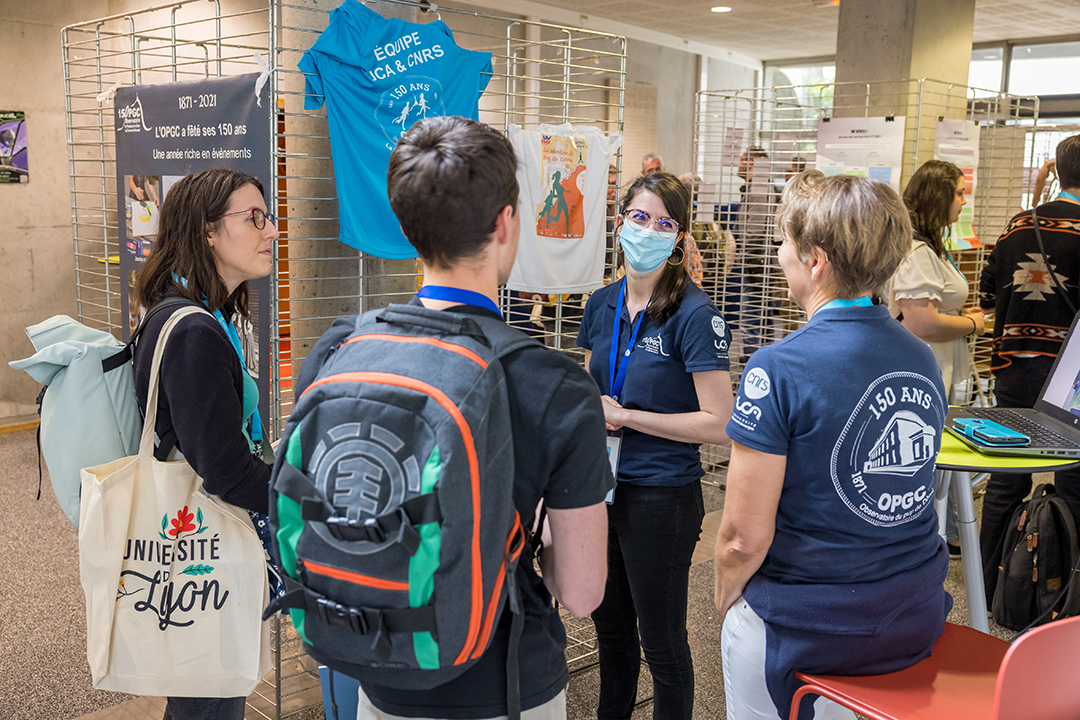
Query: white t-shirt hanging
{"points": [[562, 175]]}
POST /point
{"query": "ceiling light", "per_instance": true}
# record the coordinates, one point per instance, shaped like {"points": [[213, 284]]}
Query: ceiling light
{"points": [[825, 3], [721, 8]]}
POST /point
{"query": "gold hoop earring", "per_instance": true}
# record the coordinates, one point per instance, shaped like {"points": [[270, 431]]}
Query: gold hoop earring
{"points": [[682, 257]]}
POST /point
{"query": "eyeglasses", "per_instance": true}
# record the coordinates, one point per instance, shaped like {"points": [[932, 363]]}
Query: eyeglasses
{"points": [[643, 219], [257, 216]]}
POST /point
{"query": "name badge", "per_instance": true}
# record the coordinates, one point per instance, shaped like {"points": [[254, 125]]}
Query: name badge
{"points": [[614, 446]]}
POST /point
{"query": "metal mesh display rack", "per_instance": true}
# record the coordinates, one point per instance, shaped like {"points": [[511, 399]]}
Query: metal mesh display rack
{"points": [[542, 73], [739, 247]]}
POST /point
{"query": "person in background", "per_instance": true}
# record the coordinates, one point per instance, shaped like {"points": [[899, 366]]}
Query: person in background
{"points": [[798, 164], [658, 350], [1032, 315], [928, 290], [652, 163], [754, 297], [695, 267], [828, 558], [452, 185], [1045, 180], [214, 235]]}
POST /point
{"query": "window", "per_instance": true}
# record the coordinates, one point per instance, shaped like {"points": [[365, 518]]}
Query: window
{"points": [[984, 73], [813, 82], [1049, 69]]}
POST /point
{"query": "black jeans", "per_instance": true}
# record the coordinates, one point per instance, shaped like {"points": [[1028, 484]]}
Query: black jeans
{"points": [[652, 532], [1017, 386], [187, 708]]}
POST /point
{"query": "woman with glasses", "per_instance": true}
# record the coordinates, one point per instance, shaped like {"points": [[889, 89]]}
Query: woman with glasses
{"points": [[214, 235], [658, 350]]}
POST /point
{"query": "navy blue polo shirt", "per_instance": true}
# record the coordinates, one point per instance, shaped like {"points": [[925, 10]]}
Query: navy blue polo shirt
{"points": [[857, 405], [659, 377]]}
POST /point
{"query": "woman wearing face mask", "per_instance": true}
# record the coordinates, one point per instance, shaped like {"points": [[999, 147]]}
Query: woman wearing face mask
{"points": [[658, 350]]}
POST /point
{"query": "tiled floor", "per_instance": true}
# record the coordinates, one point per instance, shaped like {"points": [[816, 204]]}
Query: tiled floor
{"points": [[43, 672]]}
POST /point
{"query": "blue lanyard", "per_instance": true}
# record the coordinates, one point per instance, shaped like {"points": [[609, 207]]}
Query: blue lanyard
{"points": [[234, 338], [617, 370], [1069, 196], [845, 303], [948, 256], [458, 295]]}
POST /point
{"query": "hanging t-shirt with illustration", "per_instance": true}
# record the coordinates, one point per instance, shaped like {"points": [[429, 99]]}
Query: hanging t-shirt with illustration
{"points": [[378, 77], [562, 175], [857, 405]]}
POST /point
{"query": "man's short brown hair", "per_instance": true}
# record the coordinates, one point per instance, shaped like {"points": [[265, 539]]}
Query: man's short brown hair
{"points": [[1068, 162], [448, 180]]}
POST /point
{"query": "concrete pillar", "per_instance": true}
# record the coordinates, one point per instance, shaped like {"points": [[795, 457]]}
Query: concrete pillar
{"points": [[881, 43], [883, 50]]}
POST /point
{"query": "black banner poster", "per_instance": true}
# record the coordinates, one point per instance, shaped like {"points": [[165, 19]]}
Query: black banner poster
{"points": [[164, 132]]}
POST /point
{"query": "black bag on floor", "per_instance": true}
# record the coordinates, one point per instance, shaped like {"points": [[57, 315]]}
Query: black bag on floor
{"points": [[1036, 579]]}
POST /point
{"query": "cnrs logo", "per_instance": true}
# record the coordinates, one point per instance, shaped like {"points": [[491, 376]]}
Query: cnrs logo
{"points": [[756, 384]]}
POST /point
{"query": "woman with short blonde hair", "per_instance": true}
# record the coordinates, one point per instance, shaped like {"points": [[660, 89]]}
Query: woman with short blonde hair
{"points": [[828, 558]]}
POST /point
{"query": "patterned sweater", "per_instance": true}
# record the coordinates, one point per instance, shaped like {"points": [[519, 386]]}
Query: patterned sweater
{"points": [[1030, 315]]}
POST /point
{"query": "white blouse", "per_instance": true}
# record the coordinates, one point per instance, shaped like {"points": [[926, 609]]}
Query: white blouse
{"points": [[922, 274]]}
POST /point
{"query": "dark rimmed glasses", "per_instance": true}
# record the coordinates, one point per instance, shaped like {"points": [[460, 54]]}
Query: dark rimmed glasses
{"points": [[257, 216]]}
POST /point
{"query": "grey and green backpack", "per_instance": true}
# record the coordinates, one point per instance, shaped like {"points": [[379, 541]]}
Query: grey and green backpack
{"points": [[391, 501]]}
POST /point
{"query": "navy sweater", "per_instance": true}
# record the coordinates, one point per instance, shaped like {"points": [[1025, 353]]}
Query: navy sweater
{"points": [[201, 399]]}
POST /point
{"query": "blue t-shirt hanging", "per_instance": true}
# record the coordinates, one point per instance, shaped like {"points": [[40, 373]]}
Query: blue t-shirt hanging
{"points": [[378, 77]]}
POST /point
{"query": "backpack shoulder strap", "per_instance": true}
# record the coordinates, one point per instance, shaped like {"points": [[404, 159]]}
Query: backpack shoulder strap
{"points": [[1046, 261], [504, 339], [328, 343], [114, 361], [1071, 578], [499, 336]]}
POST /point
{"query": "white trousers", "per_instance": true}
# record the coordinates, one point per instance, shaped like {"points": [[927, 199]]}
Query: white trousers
{"points": [[742, 649], [553, 709]]}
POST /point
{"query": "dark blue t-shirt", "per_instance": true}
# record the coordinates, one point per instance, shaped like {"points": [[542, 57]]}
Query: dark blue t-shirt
{"points": [[659, 377], [857, 405]]}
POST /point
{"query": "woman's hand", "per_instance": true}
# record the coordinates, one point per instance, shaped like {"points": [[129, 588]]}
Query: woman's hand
{"points": [[613, 413], [977, 315], [922, 318]]}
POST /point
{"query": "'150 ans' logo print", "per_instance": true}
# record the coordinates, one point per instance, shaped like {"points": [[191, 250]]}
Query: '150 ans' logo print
{"points": [[879, 463], [155, 589]]}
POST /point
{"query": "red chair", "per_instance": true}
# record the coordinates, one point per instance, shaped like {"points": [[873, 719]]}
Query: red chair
{"points": [[970, 676]]}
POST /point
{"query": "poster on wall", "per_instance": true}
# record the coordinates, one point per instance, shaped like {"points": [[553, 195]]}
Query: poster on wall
{"points": [[164, 132], [864, 147], [14, 166], [957, 141]]}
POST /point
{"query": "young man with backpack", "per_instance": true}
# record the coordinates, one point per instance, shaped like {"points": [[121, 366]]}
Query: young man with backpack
{"points": [[452, 184]]}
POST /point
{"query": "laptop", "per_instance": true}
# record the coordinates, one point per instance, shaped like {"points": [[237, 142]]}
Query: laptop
{"points": [[1053, 425]]}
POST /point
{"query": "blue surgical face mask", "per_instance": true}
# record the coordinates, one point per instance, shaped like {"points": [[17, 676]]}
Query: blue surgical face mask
{"points": [[645, 249]]}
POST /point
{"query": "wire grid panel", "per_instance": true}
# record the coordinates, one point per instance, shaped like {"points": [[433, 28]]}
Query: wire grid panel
{"points": [[1042, 142], [542, 73], [141, 48], [157, 45], [748, 143]]}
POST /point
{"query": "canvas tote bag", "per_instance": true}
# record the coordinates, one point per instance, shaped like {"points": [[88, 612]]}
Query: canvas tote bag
{"points": [[175, 579]]}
